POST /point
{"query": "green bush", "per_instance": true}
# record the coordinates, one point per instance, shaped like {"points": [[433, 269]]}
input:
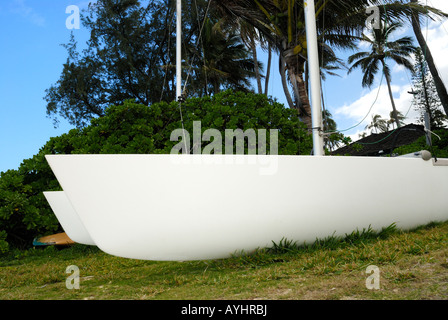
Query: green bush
{"points": [[134, 129], [4, 246], [439, 146], [24, 211]]}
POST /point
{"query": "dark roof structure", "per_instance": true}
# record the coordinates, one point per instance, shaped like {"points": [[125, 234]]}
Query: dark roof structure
{"points": [[382, 143]]}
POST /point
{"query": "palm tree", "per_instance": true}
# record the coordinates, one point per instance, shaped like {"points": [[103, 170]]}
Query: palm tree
{"points": [[333, 137], [226, 62], [382, 48], [339, 22], [268, 67], [392, 120], [252, 38], [377, 123], [362, 135]]}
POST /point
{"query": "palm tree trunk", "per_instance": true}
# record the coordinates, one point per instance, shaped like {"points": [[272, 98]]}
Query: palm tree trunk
{"points": [[282, 71], [293, 80], [295, 68], [268, 70], [303, 104], [253, 47], [394, 109], [440, 86], [306, 105]]}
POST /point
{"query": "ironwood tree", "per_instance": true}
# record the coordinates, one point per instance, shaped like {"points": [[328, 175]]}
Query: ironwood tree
{"points": [[131, 55], [426, 98]]}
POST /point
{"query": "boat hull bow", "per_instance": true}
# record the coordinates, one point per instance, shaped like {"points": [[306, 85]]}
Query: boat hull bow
{"points": [[67, 217]]}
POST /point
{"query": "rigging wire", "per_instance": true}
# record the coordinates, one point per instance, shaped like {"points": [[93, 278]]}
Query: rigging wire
{"points": [[370, 109], [181, 99], [202, 46], [169, 54], [197, 43], [374, 102], [390, 134]]}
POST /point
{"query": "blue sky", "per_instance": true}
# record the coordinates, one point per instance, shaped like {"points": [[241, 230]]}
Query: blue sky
{"points": [[31, 59]]}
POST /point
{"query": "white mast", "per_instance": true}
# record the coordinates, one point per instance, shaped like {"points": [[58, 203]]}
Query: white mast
{"points": [[314, 69], [179, 51]]}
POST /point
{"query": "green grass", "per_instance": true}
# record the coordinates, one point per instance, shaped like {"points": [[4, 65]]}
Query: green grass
{"points": [[413, 265]]}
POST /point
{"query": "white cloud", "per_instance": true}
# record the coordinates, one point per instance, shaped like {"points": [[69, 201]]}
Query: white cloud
{"points": [[436, 35], [397, 68], [438, 44], [439, 4], [21, 8]]}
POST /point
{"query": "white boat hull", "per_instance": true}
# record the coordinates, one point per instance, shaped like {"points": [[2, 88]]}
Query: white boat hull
{"points": [[194, 207], [67, 217]]}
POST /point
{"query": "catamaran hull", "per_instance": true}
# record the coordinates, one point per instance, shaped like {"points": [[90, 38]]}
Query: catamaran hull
{"points": [[67, 217], [195, 207]]}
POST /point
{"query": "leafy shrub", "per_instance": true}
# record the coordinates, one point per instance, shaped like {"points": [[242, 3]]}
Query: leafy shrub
{"points": [[439, 146], [134, 129], [4, 246], [24, 211]]}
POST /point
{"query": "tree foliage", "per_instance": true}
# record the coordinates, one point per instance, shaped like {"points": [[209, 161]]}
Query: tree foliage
{"points": [[131, 51], [123, 60], [339, 24], [218, 62], [131, 55]]}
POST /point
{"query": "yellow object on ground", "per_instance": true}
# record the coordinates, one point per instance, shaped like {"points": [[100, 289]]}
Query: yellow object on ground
{"points": [[59, 239]]}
